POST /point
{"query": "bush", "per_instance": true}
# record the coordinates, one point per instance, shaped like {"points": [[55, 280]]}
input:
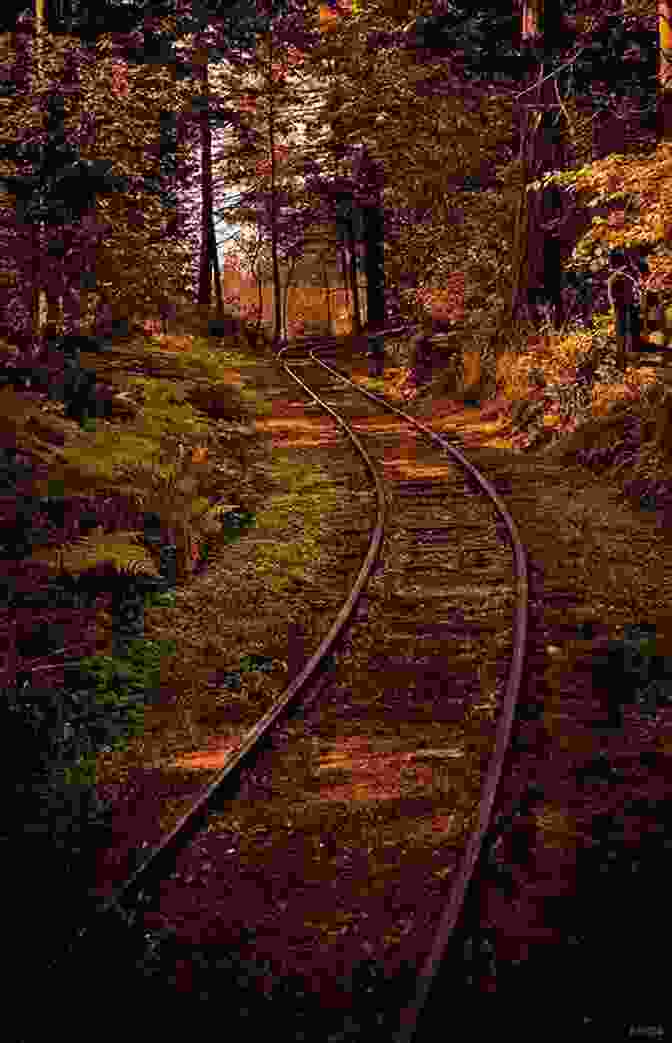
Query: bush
{"points": [[54, 814], [121, 686]]}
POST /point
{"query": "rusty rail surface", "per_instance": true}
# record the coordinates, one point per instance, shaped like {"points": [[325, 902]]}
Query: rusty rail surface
{"points": [[159, 860]]}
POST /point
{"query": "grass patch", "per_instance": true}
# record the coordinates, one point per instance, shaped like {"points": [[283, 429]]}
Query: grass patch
{"points": [[300, 512]]}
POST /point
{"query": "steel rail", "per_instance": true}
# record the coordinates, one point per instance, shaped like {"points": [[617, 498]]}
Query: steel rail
{"points": [[155, 866], [158, 859], [453, 908]]}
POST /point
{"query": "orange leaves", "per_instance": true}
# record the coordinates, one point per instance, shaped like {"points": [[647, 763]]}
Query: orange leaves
{"points": [[152, 327], [166, 341], [293, 56], [247, 103], [119, 79], [199, 454], [617, 219], [445, 303], [281, 154], [328, 18]]}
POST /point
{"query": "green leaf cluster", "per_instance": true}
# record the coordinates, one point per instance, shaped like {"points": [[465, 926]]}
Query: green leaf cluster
{"points": [[232, 679], [122, 686], [234, 523]]}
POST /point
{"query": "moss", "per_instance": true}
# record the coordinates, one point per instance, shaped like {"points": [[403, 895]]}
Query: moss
{"points": [[299, 513]]}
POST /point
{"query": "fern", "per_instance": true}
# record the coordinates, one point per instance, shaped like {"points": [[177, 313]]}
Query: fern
{"points": [[122, 550], [165, 410]]}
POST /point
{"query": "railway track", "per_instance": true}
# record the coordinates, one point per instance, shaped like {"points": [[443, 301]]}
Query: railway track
{"points": [[430, 642], [428, 536]]}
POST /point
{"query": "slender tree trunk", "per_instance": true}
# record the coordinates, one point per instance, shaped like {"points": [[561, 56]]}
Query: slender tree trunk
{"points": [[204, 278], [327, 288], [344, 270], [537, 244], [288, 282], [184, 544], [375, 276], [215, 267], [352, 246], [260, 300], [373, 238], [277, 291]]}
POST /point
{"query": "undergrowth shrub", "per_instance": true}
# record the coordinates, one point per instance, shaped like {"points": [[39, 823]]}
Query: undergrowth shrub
{"points": [[626, 448], [123, 685], [563, 381], [54, 818], [161, 599]]}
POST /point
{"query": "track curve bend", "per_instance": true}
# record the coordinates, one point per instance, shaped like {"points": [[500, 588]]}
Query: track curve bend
{"points": [[442, 498], [507, 711]]}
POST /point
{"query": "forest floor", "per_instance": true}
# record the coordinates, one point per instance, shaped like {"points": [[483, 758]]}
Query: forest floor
{"points": [[598, 564]]}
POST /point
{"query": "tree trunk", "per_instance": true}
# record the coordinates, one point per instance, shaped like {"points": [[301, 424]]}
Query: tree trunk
{"points": [[277, 286], [204, 279], [537, 260], [375, 274], [325, 278], [184, 545], [352, 247], [260, 301], [285, 299], [366, 172], [215, 268], [344, 270]]}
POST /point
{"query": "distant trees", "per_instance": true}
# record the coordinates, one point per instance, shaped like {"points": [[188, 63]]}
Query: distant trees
{"points": [[456, 131], [94, 220], [264, 156]]}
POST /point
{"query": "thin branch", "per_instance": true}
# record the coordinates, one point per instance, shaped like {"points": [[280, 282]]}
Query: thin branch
{"points": [[565, 113], [551, 74]]}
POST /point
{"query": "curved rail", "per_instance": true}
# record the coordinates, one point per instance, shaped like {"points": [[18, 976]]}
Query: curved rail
{"points": [[449, 919], [155, 865]]}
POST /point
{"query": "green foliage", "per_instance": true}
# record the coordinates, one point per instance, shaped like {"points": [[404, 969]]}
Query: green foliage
{"points": [[122, 549], [256, 662], [165, 409], [82, 773], [232, 679], [234, 523], [120, 687], [160, 599], [56, 733], [55, 818]]}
